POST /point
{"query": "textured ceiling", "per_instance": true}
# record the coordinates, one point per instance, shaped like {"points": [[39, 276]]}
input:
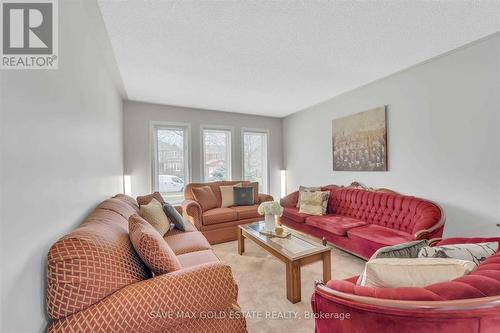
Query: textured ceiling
{"points": [[278, 57]]}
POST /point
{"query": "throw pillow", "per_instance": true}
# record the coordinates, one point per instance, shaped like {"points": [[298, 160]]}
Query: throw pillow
{"points": [[243, 196], [174, 216], [471, 252], [145, 199], [255, 186], [153, 213], [205, 197], [306, 189], [414, 272], [227, 195], [313, 203], [151, 247], [405, 250]]}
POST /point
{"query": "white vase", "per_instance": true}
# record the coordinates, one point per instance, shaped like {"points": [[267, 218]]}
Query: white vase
{"points": [[270, 222]]}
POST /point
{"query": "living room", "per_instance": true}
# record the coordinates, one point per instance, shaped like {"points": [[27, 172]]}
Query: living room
{"points": [[233, 166]]}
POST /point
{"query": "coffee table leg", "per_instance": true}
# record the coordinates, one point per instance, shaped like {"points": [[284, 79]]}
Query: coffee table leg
{"points": [[241, 242], [327, 267], [293, 281]]}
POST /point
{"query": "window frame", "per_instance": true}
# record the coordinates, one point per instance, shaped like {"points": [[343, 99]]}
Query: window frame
{"points": [[228, 129], [268, 150], [158, 125]]}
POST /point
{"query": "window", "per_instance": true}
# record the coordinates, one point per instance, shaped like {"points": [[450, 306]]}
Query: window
{"points": [[216, 154], [171, 161], [255, 158]]}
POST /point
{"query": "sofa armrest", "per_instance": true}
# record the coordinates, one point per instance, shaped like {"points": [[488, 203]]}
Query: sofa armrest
{"points": [[193, 212], [433, 231], [290, 200], [158, 304], [265, 197]]}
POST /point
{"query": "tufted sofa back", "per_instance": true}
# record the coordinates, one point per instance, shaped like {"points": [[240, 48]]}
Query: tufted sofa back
{"points": [[94, 260], [215, 186], [395, 211]]}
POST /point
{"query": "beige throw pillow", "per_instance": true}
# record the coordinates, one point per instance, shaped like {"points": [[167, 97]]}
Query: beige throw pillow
{"points": [[404, 250], [415, 272], [312, 202], [227, 195], [306, 189], [154, 214]]}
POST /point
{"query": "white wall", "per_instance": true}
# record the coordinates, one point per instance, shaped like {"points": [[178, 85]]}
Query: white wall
{"points": [[137, 140], [62, 153], [443, 136]]}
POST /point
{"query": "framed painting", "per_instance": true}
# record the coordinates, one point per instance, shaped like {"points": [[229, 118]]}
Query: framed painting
{"points": [[359, 141]]}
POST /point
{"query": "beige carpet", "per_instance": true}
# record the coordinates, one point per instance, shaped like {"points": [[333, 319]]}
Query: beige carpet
{"points": [[261, 282]]}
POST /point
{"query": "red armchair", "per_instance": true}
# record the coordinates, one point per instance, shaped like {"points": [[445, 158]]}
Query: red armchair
{"points": [[470, 304], [361, 221]]}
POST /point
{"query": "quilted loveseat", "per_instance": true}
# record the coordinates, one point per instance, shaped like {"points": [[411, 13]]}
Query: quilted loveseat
{"points": [[219, 225], [469, 304], [361, 221], [97, 283]]}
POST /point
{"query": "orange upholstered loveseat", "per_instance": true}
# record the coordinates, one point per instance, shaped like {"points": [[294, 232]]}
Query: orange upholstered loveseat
{"points": [[219, 224], [97, 283]]}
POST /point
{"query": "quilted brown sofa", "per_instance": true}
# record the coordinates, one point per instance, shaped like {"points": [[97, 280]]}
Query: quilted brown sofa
{"points": [[97, 283], [219, 224]]}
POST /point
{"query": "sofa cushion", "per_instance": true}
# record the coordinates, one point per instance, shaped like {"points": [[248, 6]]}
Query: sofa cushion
{"points": [[145, 199], [246, 212], [255, 186], [187, 242], [378, 235], [205, 197], [197, 258], [151, 247], [219, 215], [294, 215], [154, 214], [335, 224]]}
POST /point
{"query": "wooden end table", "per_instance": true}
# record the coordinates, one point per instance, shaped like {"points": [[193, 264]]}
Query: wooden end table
{"points": [[295, 251]]}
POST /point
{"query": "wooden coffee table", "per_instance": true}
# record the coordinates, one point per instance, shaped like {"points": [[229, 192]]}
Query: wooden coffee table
{"points": [[295, 251]]}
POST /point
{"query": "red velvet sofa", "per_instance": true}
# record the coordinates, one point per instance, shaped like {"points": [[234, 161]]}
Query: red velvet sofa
{"points": [[360, 220], [469, 304]]}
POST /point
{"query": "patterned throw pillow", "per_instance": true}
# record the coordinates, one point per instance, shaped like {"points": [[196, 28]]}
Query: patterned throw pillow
{"points": [[471, 252], [313, 203], [154, 214], [151, 247], [145, 199], [306, 189], [243, 196], [227, 195], [205, 197], [174, 216]]}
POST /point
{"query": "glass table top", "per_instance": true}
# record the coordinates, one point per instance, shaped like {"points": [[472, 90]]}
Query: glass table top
{"points": [[295, 245]]}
